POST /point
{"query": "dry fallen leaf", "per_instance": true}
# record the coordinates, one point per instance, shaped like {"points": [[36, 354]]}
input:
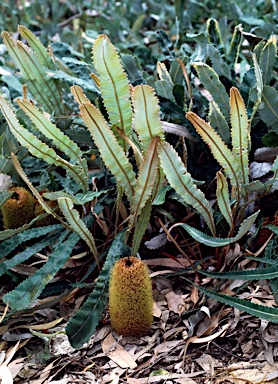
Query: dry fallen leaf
{"points": [[175, 302], [117, 353]]}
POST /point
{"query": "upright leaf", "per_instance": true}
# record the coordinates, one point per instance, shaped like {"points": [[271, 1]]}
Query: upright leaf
{"points": [[145, 181], [147, 121], [218, 122], [113, 84], [268, 110], [267, 58], [235, 45], [211, 82], [239, 134], [141, 226], [223, 201], [81, 326], [111, 152], [77, 224], [220, 151], [183, 183]]}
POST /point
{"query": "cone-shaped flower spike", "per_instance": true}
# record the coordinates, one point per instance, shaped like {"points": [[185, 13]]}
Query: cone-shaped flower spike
{"points": [[130, 297]]}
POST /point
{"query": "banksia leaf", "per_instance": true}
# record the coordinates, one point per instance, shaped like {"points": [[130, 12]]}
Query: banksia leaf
{"points": [[267, 58], [183, 183], [222, 194], [19, 209], [130, 297], [147, 121], [114, 85], [218, 122], [235, 45], [239, 134]]}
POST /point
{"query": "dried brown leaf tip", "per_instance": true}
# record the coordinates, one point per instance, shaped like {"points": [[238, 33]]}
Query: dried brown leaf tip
{"points": [[130, 297]]}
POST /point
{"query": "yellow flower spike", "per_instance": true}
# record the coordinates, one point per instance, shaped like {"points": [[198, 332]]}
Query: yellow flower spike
{"points": [[19, 209], [130, 297]]}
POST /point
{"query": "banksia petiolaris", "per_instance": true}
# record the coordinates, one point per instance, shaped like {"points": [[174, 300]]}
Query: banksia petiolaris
{"points": [[19, 209], [130, 297], [47, 220]]}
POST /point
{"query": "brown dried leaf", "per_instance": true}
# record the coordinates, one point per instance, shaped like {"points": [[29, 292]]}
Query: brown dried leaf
{"points": [[175, 302], [117, 353]]}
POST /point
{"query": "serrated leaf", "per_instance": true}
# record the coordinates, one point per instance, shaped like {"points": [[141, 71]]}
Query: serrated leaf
{"points": [[132, 68], [146, 120], [4, 196], [24, 295], [261, 311], [81, 326], [145, 181], [218, 64], [163, 73], [267, 58], [211, 82], [259, 86], [218, 122], [182, 182], [24, 177], [166, 44], [110, 150], [141, 226], [60, 140], [219, 150], [235, 46], [214, 34], [36, 147], [216, 241], [239, 134], [78, 199], [20, 257], [268, 110], [37, 47], [77, 224], [223, 201], [113, 84], [165, 89], [246, 275]]}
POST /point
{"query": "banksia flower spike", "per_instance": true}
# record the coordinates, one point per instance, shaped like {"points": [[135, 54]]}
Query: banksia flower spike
{"points": [[19, 209], [130, 297]]}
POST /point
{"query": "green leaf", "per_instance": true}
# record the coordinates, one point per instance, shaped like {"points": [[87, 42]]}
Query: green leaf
{"points": [[28, 291], [36, 147], [267, 58], [81, 326], [222, 195], [239, 134], [10, 244], [219, 150], [211, 82], [132, 68], [268, 110], [218, 64], [259, 86], [214, 35], [37, 47], [110, 150], [77, 224], [235, 46], [73, 80], [146, 121], [215, 241], [182, 182], [261, 311], [166, 44], [246, 275], [78, 199], [141, 226], [60, 140], [145, 181], [218, 122], [4, 196], [113, 84], [164, 89], [29, 252]]}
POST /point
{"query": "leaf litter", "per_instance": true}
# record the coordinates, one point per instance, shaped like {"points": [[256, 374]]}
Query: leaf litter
{"points": [[192, 340]]}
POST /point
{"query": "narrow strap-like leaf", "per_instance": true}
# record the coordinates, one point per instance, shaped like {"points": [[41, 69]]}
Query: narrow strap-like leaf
{"points": [[268, 110], [24, 295], [60, 140], [24, 177], [239, 134], [235, 46], [82, 325], [37, 148], [218, 122], [261, 311], [215, 241], [222, 194], [78, 225], [267, 58], [110, 150], [246, 275], [145, 181], [211, 81], [79, 95], [182, 182], [113, 84], [37, 47], [259, 80], [219, 149], [147, 121], [141, 226]]}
